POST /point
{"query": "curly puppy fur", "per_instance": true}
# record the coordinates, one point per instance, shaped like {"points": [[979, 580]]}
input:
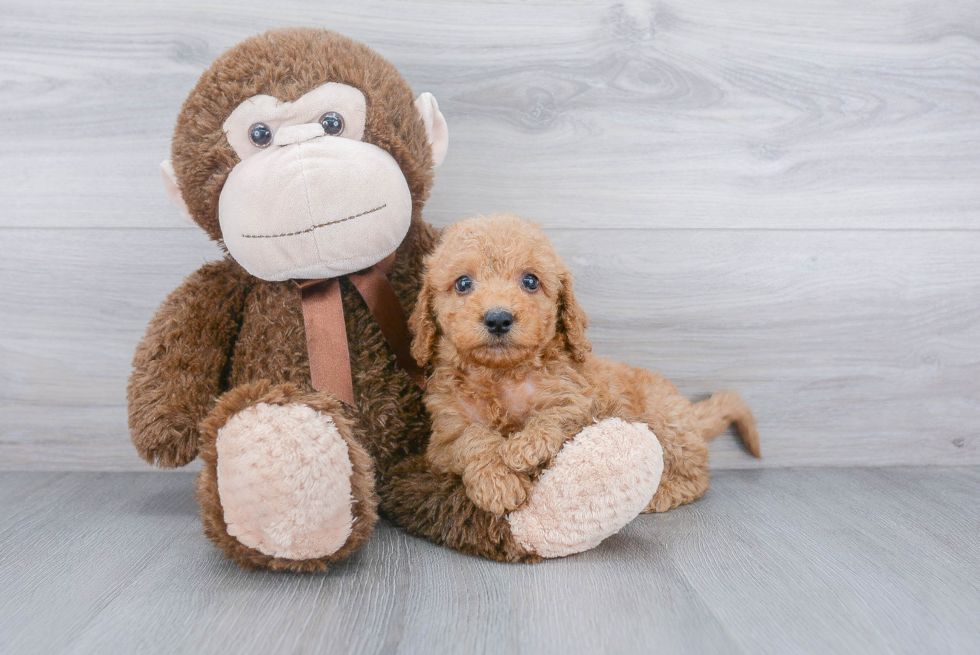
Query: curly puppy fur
{"points": [[503, 405], [225, 340]]}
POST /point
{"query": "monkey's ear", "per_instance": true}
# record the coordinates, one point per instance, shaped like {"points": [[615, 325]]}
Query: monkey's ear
{"points": [[173, 191], [435, 125]]}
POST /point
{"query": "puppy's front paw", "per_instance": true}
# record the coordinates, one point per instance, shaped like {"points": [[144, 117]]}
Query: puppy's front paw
{"points": [[495, 488], [525, 451]]}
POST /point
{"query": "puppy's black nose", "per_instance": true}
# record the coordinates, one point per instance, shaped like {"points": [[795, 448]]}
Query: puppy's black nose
{"points": [[498, 321]]}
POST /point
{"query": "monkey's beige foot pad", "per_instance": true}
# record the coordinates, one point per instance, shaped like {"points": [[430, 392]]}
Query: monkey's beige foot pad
{"points": [[284, 481], [596, 484]]}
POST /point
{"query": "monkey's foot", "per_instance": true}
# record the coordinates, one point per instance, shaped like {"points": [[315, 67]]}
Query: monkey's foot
{"points": [[284, 481], [599, 481], [283, 487]]}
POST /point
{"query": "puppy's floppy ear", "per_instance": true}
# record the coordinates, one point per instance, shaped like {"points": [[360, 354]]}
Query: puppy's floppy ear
{"points": [[422, 323], [572, 320]]}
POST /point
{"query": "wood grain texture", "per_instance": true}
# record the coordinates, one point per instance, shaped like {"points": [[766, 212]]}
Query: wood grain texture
{"points": [[776, 197], [698, 113], [801, 560], [851, 351]]}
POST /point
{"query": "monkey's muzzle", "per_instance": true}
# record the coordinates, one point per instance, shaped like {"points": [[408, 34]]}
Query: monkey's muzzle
{"points": [[318, 207]]}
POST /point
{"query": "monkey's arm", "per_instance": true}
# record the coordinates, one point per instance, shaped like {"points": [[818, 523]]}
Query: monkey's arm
{"points": [[180, 366]]}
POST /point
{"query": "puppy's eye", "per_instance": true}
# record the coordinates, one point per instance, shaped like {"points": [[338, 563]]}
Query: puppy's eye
{"points": [[463, 284], [530, 282], [333, 123], [260, 135]]}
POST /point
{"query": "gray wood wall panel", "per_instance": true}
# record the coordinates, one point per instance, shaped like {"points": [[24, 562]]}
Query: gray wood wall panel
{"points": [[643, 114], [850, 351], [782, 198]]}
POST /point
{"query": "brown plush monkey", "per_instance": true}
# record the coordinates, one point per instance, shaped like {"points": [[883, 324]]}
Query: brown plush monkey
{"points": [[305, 156]]}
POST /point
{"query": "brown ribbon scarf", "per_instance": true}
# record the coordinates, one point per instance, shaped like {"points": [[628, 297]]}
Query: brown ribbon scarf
{"points": [[326, 332]]}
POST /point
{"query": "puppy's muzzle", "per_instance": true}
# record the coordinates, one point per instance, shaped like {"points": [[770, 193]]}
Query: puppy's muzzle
{"points": [[498, 322]]}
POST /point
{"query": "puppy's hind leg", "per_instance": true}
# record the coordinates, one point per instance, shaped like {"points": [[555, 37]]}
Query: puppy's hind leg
{"points": [[685, 477], [686, 448]]}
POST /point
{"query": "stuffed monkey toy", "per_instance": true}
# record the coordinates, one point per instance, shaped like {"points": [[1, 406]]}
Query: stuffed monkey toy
{"points": [[285, 366]]}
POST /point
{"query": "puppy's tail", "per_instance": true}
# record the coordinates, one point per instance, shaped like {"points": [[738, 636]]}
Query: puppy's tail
{"points": [[722, 409]]}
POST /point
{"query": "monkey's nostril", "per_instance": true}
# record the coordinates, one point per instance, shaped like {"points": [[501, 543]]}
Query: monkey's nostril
{"points": [[498, 321]]}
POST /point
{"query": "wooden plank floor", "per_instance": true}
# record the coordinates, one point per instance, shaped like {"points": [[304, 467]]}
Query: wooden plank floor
{"points": [[770, 561]]}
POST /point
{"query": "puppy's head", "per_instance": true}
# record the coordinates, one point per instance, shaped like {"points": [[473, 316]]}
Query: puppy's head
{"points": [[496, 294]]}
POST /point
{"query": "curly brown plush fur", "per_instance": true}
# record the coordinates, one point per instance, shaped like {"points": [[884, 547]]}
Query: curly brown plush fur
{"points": [[225, 340], [503, 404]]}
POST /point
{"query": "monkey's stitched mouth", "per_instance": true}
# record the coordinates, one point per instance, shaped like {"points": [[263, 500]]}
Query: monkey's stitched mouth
{"points": [[310, 229]]}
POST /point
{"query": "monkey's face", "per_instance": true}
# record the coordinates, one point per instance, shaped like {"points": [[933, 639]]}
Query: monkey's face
{"points": [[309, 198], [305, 154]]}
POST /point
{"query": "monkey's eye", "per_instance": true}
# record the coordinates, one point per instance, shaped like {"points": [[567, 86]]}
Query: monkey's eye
{"points": [[530, 282], [260, 135], [463, 284], [333, 123]]}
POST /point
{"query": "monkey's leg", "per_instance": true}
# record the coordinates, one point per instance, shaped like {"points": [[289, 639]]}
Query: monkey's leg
{"points": [[598, 482], [685, 476], [285, 484]]}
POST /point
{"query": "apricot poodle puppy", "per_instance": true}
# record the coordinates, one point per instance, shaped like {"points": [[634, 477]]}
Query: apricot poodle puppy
{"points": [[514, 376]]}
